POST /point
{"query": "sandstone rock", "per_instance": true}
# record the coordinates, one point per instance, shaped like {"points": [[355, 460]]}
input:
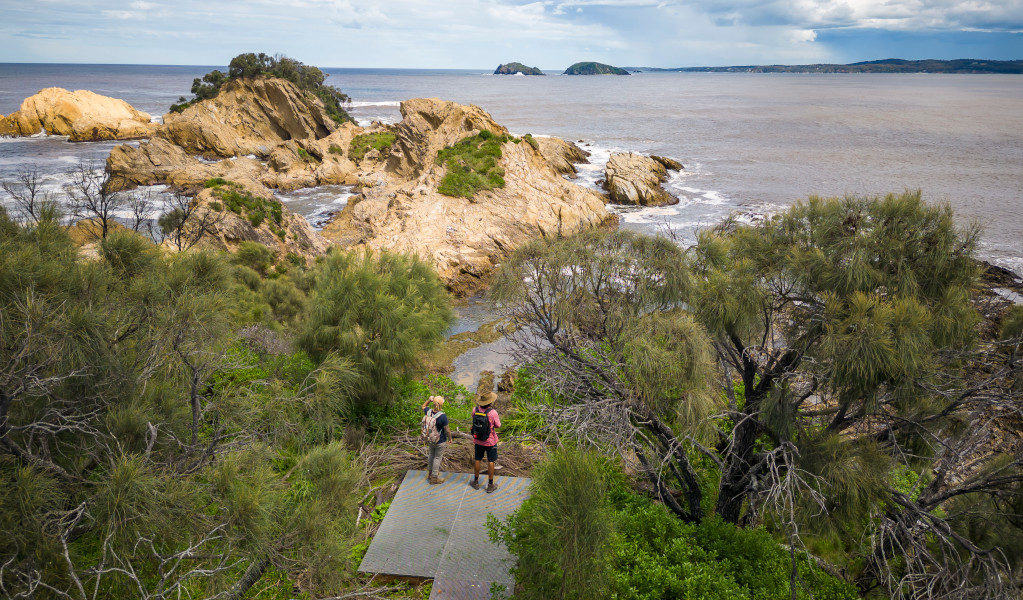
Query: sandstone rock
{"points": [[248, 116], [561, 155], [81, 115], [297, 237], [507, 382], [636, 179], [465, 239], [427, 126], [669, 163]]}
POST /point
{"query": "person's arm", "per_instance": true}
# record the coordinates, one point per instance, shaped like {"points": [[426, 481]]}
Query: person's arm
{"points": [[496, 422], [447, 433], [425, 402]]}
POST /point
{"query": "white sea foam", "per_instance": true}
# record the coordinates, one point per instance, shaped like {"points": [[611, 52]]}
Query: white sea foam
{"points": [[368, 103]]}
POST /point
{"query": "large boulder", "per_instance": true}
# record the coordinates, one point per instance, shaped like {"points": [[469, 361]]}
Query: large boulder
{"points": [[81, 115], [248, 116], [636, 179], [464, 238]]}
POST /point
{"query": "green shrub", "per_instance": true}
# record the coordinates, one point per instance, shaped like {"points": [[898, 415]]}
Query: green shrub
{"points": [[335, 149], [304, 155], [255, 256], [531, 141], [380, 311], [362, 144], [650, 554], [563, 531], [472, 165], [241, 202], [128, 253], [216, 206]]}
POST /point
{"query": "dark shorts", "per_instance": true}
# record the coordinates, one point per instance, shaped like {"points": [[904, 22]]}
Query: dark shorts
{"points": [[490, 451]]}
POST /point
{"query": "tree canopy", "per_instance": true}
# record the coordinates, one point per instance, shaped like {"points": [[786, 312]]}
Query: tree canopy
{"points": [[306, 77], [815, 370]]}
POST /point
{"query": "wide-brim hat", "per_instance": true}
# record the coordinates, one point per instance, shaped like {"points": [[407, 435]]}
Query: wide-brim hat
{"points": [[486, 399]]}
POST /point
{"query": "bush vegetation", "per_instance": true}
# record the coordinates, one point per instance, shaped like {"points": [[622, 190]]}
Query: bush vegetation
{"points": [[472, 165], [307, 78], [363, 143], [584, 533]]}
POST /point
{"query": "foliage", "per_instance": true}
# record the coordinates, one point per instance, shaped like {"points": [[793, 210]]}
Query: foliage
{"points": [[848, 328], [147, 447], [381, 311], [307, 78], [242, 202], [583, 533], [472, 165], [561, 533], [364, 142]]}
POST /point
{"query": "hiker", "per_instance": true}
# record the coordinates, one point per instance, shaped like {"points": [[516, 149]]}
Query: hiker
{"points": [[436, 432], [485, 422]]}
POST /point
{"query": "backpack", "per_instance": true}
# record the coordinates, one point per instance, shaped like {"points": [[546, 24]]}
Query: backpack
{"points": [[481, 424], [429, 432]]}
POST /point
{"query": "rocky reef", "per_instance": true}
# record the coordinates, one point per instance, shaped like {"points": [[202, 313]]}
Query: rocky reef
{"points": [[594, 68], [513, 68], [81, 115]]}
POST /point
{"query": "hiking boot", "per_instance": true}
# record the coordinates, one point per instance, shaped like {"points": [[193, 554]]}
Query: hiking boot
{"points": [[475, 483], [491, 487], [436, 479]]}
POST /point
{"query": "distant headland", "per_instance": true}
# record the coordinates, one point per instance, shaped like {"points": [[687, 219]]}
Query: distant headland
{"points": [[889, 65], [514, 68], [594, 68]]}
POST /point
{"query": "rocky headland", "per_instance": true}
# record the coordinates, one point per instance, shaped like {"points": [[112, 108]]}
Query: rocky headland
{"points": [[514, 68], [261, 135], [81, 115]]}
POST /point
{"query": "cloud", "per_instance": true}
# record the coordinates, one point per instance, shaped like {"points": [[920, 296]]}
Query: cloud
{"points": [[1004, 15]]}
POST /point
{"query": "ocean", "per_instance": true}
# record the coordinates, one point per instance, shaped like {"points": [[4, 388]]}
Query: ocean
{"points": [[750, 143]]}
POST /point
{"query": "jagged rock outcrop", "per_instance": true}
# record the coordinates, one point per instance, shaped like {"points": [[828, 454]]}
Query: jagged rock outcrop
{"points": [[427, 126], [636, 179], [401, 210], [81, 115], [562, 155], [248, 117]]}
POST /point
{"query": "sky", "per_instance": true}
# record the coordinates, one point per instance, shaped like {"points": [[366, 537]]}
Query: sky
{"points": [[480, 34]]}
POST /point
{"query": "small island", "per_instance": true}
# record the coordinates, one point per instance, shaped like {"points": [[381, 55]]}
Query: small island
{"points": [[594, 68], [515, 68]]}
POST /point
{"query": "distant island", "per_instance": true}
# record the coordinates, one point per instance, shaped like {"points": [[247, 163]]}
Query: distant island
{"points": [[594, 68], [514, 68], [889, 65]]}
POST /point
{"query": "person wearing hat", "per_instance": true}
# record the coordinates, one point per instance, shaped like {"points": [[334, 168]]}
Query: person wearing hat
{"points": [[485, 422], [436, 454]]}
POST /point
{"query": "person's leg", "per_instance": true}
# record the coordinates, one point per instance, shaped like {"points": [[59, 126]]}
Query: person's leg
{"points": [[491, 459], [438, 458], [431, 456], [476, 466]]}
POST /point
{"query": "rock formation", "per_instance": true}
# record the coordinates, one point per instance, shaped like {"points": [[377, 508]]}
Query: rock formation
{"points": [[248, 117], [81, 115], [399, 207], [514, 68], [562, 155], [594, 68], [636, 179], [464, 238]]}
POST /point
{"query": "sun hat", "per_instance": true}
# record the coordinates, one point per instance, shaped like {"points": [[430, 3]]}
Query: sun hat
{"points": [[486, 399]]}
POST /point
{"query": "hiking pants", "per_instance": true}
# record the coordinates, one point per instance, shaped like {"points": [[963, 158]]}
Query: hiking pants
{"points": [[436, 456]]}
